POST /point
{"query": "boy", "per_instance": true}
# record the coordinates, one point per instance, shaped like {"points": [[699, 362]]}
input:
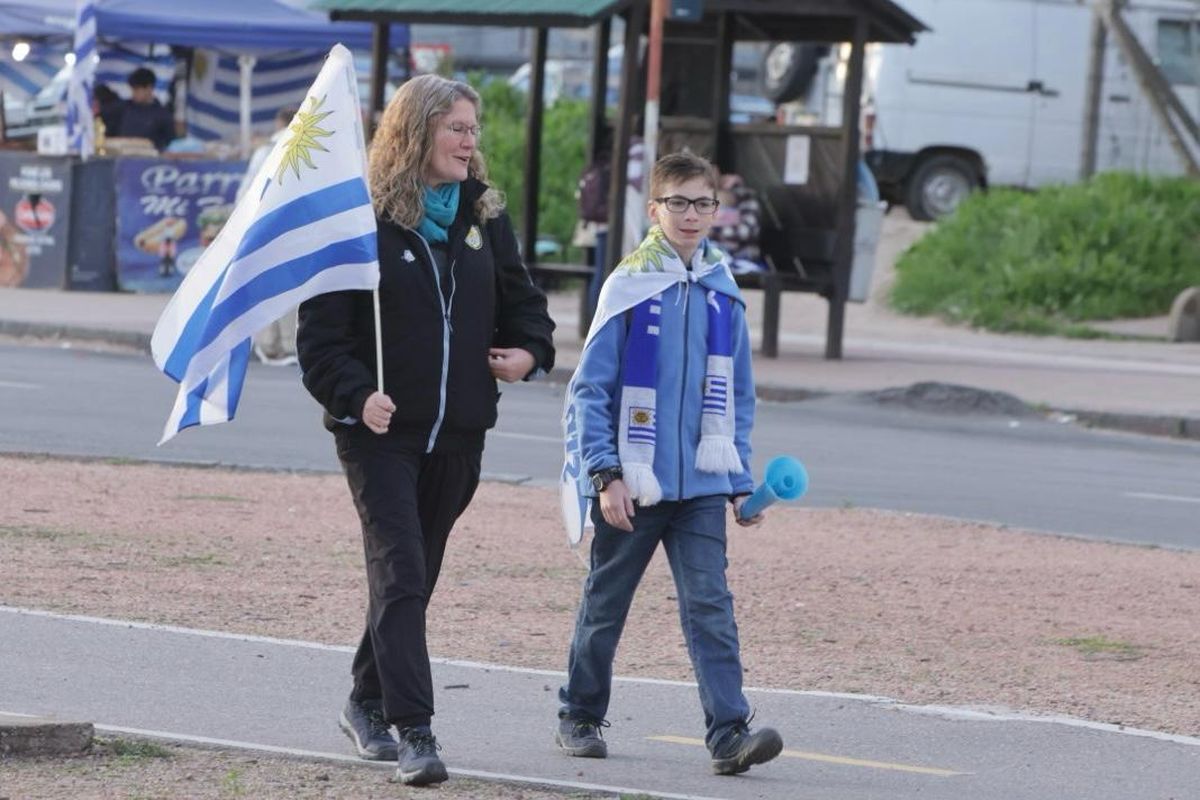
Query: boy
{"points": [[658, 427]]}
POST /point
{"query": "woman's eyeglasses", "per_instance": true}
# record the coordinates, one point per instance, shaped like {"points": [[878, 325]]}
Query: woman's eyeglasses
{"points": [[677, 204], [461, 129]]}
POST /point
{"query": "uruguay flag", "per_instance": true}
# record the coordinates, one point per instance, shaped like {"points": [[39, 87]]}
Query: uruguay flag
{"points": [[81, 133], [304, 227]]}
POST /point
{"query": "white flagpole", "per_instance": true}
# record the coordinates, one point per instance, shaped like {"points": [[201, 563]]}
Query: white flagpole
{"points": [[246, 70], [378, 341]]}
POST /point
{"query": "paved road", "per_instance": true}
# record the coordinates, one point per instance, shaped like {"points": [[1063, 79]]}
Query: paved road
{"points": [[1032, 474], [494, 721]]}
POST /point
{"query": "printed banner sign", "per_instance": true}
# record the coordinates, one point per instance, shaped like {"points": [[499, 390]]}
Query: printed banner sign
{"points": [[35, 194], [167, 213]]}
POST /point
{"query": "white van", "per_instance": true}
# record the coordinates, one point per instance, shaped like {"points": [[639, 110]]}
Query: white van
{"points": [[994, 94]]}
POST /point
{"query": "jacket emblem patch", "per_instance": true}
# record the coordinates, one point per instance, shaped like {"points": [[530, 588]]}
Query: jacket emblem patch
{"points": [[408, 256], [474, 238]]}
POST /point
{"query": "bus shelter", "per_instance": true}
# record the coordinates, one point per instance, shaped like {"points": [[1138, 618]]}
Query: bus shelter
{"points": [[806, 175]]}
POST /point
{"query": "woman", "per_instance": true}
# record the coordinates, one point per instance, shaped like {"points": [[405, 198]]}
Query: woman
{"points": [[458, 312]]}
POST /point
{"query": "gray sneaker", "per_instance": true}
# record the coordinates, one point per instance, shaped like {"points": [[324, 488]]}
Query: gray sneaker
{"points": [[372, 735], [581, 737], [418, 763], [739, 749]]}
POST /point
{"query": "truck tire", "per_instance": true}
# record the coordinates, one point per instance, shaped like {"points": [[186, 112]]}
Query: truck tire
{"points": [[938, 184], [788, 70]]}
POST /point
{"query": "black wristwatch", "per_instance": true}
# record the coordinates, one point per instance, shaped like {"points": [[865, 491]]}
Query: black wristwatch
{"points": [[601, 480]]}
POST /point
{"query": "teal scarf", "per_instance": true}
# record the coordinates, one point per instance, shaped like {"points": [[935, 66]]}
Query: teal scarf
{"points": [[441, 207]]}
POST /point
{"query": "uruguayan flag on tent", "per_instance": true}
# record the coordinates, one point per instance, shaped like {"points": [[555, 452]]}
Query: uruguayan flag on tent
{"points": [[118, 60], [25, 78], [81, 134], [304, 227], [214, 91]]}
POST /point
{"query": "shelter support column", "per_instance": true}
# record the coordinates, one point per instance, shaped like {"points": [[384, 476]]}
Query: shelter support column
{"points": [[848, 198], [533, 143]]}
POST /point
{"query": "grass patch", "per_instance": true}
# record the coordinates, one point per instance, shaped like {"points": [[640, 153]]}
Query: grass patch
{"points": [[205, 560], [231, 784], [35, 532], [1118, 246], [1102, 647], [130, 750], [121, 461], [216, 498]]}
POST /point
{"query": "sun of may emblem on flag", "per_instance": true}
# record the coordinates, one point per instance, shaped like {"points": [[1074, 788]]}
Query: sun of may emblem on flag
{"points": [[304, 138], [640, 416]]}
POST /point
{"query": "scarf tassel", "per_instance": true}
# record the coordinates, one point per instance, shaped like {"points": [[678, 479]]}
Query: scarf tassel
{"points": [[641, 482], [717, 454]]}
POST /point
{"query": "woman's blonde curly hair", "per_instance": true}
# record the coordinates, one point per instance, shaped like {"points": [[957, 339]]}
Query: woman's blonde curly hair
{"points": [[401, 149]]}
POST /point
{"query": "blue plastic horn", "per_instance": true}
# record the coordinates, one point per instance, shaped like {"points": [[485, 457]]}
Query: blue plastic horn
{"points": [[786, 479]]}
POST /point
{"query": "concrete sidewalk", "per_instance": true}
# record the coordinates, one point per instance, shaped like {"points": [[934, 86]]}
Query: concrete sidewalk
{"points": [[1144, 385], [495, 723]]}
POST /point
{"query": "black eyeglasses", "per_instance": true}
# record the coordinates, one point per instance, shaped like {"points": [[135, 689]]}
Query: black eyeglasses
{"points": [[677, 204]]}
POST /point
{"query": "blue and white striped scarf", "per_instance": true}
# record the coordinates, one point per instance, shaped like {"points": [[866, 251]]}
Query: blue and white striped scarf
{"points": [[638, 283]]}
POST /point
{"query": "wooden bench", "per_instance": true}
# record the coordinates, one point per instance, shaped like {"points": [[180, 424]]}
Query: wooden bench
{"points": [[800, 260], [585, 271]]}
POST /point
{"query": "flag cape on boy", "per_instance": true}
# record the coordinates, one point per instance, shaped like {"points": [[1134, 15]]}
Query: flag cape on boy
{"points": [[648, 271]]}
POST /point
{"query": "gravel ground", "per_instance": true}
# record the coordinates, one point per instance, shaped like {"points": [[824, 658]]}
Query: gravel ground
{"points": [[919, 608]]}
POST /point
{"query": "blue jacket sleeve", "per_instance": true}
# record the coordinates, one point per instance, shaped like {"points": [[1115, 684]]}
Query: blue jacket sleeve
{"points": [[743, 399], [595, 394]]}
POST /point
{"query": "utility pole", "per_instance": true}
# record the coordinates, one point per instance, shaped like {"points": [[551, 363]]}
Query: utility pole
{"points": [[658, 13], [1163, 100], [1095, 84]]}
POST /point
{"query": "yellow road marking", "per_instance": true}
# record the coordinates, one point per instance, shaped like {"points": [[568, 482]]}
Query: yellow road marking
{"points": [[828, 759]]}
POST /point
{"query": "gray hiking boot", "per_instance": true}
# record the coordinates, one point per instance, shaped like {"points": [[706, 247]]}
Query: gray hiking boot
{"points": [[418, 763], [739, 749], [581, 737], [372, 735]]}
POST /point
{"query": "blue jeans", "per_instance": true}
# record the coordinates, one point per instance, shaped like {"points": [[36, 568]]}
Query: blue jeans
{"points": [[693, 534]]}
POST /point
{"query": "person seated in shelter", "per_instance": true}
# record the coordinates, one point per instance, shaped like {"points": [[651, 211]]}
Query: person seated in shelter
{"points": [[736, 225], [142, 115]]}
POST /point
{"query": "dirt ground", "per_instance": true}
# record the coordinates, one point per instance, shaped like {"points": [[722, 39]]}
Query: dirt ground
{"points": [[919, 608]]}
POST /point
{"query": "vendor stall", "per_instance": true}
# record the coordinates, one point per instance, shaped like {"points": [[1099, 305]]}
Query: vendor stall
{"points": [[139, 223]]}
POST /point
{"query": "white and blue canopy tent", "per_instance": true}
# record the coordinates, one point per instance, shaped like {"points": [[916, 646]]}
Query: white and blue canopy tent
{"points": [[23, 76], [37, 18], [246, 32]]}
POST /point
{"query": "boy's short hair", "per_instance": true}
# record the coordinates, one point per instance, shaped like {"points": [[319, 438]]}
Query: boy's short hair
{"points": [[679, 168], [141, 77]]}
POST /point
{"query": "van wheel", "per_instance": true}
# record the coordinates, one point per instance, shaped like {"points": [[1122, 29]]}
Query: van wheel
{"points": [[938, 185]]}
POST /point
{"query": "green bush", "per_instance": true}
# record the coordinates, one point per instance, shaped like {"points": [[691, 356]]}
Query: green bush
{"points": [[1117, 246], [564, 154]]}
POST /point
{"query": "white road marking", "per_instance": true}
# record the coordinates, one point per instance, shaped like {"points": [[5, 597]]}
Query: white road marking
{"points": [[20, 385], [528, 437], [845, 761], [1170, 498]]}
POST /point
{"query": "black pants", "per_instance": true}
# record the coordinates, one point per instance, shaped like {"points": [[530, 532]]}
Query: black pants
{"points": [[408, 502]]}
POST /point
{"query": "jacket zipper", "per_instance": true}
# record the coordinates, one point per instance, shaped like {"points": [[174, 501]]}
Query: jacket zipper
{"points": [[686, 288], [437, 282], [453, 289]]}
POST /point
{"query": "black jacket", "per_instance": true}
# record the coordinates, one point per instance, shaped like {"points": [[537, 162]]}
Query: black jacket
{"points": [[151, 120], [435, 337]]}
